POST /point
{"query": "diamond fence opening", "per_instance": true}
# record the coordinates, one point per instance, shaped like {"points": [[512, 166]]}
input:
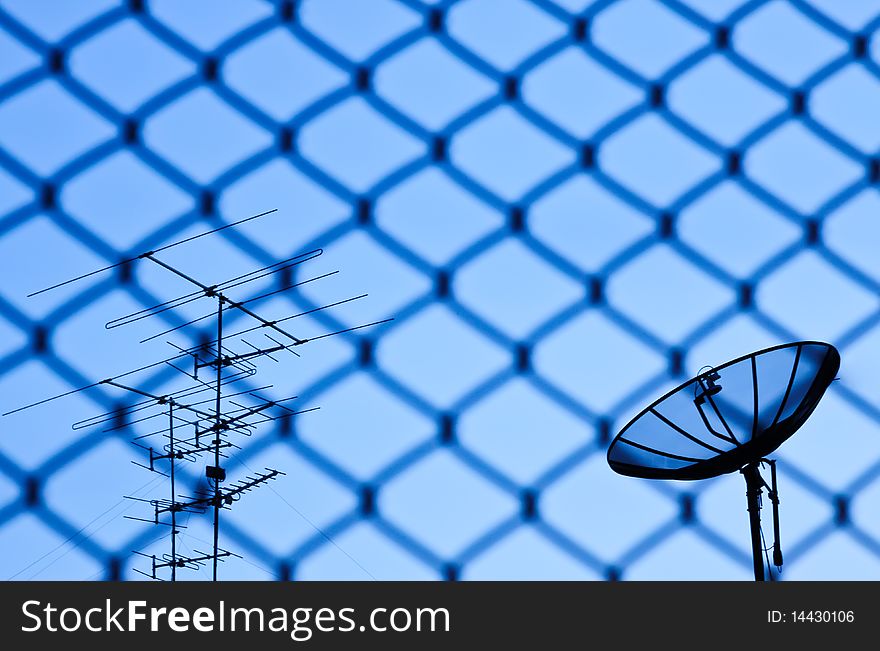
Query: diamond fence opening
{"points": [[568, 206]]}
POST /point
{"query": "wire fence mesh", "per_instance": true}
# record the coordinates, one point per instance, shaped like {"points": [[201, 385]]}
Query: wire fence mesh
{"points": [[568, 207]]}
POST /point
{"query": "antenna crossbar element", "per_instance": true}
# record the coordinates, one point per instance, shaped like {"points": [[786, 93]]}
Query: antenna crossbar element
{"points": [[299, 314], [160, 400], [193, 562], [225, 301], [119, 416], [108, 380], [212, 290], [223, 499], [229, 360], [179, 450], [128, 261], [186, 353]]}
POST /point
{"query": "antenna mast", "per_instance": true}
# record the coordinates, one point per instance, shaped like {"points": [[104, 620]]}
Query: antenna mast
{"points": [[204, 406]]}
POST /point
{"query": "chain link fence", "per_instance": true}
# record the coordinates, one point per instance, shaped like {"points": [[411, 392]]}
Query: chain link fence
{"points": [[568, 207]]}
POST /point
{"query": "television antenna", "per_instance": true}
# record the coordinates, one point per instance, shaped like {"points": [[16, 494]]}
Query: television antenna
{"points": [[730, 418], [200, 419]]}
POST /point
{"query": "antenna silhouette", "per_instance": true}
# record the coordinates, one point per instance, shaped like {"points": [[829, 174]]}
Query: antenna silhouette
{"points": [[197, 422], [729, 419]]}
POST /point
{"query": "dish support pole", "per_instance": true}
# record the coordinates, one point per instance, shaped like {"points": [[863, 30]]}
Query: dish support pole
{"points": [[754, 484]]}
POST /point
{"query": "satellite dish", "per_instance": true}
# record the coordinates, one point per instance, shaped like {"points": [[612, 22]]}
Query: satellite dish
{"points": [[729, 418]]}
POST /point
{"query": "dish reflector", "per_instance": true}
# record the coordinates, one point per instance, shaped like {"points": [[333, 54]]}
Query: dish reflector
{"points": [[727, 416]]}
